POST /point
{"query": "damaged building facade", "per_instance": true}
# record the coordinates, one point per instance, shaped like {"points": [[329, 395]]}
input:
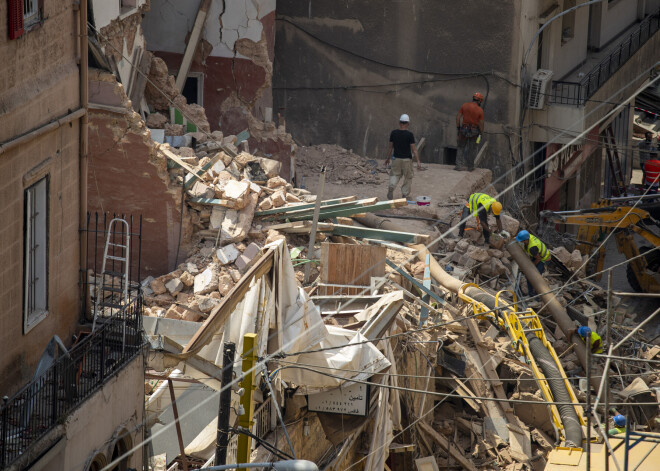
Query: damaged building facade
{"points": [[363, 70]]}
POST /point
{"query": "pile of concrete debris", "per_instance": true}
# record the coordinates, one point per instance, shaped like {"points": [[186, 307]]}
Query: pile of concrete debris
{"points": [[342, 165]]}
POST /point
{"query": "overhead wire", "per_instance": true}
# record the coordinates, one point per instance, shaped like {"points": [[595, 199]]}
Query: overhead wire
{"points": [[439, 238]]}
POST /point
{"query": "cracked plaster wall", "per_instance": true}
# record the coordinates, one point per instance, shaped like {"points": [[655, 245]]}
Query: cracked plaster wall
{"points": [[238, 69]]}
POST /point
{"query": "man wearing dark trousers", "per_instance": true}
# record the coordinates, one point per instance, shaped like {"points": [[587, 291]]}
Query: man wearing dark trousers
{"points": [[401, 149], [470, 125]]}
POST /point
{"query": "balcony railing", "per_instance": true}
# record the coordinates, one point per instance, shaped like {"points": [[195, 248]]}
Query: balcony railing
{"points": [[577, 93], [46, 401]]}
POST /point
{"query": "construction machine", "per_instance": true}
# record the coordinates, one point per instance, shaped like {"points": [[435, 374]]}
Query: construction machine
{"points": [[626, 220]]}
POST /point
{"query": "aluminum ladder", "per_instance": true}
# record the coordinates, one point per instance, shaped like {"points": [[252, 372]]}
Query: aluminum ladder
{"points": [[111, 290]]}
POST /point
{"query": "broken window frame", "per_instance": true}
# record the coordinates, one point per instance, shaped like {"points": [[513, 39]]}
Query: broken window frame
{"points": [[35, 253], [31, 14]]}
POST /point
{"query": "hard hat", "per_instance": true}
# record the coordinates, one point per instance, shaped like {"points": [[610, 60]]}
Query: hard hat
{"points": [[404, 118], [478, 96], [583, 331], [619, 420], [497, 208], [522, 235]]}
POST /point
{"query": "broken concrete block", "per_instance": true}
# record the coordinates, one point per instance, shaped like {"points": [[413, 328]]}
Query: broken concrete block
{"points": [[174, 129], [156, 121], [450, 244], [236, 224], [243, 159], [206, 281], [477, 253], [158, 287], [509, 224], [270, 167], [497, 267], [235, 275], [276, 182], [183, 298], [192, 268], [267, 203], [291, 198], [227, 254], [225, 284], [217, 168], [495, 253], [467, 262], [278, 198], [174, 286], [201, 190], [462, 246], [191, 316], [244, 261], [174, 312], [236, 191], [496, 241], [187, 279], [206, 303], [206, 252], [274, 235], [217, 216], [252, 250]]}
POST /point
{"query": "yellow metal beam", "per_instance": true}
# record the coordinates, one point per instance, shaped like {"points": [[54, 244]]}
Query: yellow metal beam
{"points": [[248, 384]]}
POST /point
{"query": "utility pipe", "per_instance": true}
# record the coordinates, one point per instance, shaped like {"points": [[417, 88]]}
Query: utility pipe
{"points": [[84, 135], [557, 311]]}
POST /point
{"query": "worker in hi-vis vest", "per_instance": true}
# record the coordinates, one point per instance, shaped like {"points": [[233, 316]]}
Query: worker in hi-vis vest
{"points": [[537, 251], [478, 205], [619, 425], [594, 341]]}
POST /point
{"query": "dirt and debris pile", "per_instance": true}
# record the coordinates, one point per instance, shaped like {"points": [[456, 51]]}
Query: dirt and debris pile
{"points": [[342, 165]]}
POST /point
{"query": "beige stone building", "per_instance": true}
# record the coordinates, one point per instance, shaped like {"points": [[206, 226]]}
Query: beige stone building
{"points": [[76, 403]]}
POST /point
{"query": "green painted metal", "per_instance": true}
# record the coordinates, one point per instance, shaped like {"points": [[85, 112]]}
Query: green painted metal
{"points": [[379, 234], [348, 211], [415, 283], [298, 207], [214, 201]]}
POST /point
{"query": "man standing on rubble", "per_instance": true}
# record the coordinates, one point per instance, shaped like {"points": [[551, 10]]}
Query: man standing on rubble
{"points": [[479, 204], [537, 251], [401, 149], [470, 126]]}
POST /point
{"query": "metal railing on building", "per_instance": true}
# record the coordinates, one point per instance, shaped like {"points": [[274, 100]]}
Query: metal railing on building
{"points": [[577, 93], [46, 401]]}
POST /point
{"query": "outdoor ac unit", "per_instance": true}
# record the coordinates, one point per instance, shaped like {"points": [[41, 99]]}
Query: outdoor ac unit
{"points": [[537, 89]]}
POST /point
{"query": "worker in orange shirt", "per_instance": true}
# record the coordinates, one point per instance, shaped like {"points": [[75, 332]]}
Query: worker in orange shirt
{"points": [[470, 126]]}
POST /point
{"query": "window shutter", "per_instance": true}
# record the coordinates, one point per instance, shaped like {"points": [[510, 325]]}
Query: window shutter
{"points": [[16, 29]]}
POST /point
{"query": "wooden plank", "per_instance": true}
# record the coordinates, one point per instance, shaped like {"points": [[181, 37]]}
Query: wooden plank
{"points": [[282, 209], [214, 202], [192, 44], [446, 445], [189, 179], [351, 210], [300, 227], [170, 155], [380, 234], [295, 211], [221, 312], [348, 264]]}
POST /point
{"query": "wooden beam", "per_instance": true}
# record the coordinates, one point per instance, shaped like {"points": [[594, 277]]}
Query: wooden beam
{"points": [[170, 155], [446, 445], [192, 44], [351, 210], [295, 211], [221, 312], [282, 209]]}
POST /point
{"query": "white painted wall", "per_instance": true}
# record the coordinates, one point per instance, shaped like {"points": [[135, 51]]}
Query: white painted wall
{"points": [[168, 22], [616, 17], [569, 55]]}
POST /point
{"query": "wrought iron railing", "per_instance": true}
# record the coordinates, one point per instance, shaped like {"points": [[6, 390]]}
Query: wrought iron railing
{"points": [[577, 93], [47, 400]]}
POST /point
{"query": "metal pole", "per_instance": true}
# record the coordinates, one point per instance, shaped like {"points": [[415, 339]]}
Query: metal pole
{"points": [[175, 410], [279, 413], [224, 406], [588, 444], [315, 221], [606, 372], [248, 384]]}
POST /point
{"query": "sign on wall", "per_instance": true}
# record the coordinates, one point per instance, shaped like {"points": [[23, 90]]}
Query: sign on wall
{"points": [[350, 400]]}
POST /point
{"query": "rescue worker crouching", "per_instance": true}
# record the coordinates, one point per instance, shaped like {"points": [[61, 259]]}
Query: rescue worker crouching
{"points": [[537, 251], [619, 425], [595, 341], [478, 205]]}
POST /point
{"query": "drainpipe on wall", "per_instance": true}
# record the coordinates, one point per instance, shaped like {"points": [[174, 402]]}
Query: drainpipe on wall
{"points": [[84, 102]]}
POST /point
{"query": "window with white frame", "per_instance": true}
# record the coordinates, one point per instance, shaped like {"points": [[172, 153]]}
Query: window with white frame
{"points": [[35, 278], [30, 12]]}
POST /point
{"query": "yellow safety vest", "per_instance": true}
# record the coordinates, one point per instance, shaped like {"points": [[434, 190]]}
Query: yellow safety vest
{"points": [[543, 250], [480, 198], [616, 430], [592, 340]]}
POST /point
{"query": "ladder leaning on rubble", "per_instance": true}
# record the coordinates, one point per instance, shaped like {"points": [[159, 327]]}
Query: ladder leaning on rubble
{"points": [[105, 290]]}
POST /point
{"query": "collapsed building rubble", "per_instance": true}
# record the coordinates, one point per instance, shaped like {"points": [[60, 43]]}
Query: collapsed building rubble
{"points": [[442, 383]]}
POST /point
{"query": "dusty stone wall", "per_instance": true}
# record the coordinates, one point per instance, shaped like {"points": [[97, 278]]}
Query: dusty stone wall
{"points": [[127, 175], [38, 84], [344, 71]]}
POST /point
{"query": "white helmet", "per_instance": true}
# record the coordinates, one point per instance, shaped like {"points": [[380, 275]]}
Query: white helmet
{"points": [[404, 118]]}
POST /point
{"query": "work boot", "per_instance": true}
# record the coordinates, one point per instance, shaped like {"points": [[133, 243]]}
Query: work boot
{"points": [[390, 194]]}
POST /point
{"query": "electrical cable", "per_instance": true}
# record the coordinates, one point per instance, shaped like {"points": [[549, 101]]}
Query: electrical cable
{"points": [[281, 454]]}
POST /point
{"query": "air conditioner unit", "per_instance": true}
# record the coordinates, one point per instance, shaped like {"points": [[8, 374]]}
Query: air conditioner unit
{"points": [[537, 89]]}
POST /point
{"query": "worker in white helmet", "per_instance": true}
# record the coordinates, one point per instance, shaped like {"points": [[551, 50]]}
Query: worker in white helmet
{"points": [[400, 152]]}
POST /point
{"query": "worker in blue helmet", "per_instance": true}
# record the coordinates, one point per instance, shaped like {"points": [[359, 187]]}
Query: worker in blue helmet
{"points": [[594, 340], [619, 425], [537, 251]]}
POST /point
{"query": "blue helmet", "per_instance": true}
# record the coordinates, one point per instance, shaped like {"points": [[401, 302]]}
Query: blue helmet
{"points": [[584, 331], [522, 235], [619, 420]]}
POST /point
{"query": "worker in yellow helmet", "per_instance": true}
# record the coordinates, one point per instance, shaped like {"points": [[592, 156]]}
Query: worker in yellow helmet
{"points": [[537, 251], [478, 205]]}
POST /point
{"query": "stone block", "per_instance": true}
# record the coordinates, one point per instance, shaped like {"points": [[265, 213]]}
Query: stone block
{"points": [[276, 182], [462, 246], [252, 251], [174, 312], [192, 268], [267, 203], [206, 252], [191, 316], [498, 267], [509, 224], [496, 241], [217, 216], [243, 159], [235, 275], [174, 286], [450, 244], [225, 284], [206, 282], [158, 287], [291, 198], [236, 191], [227, 254], [201, 190], [254, 188], [206, 303], [183, 298], [187, 278], [495, 253], [278, 198], [216, 168], [477, 253]]}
